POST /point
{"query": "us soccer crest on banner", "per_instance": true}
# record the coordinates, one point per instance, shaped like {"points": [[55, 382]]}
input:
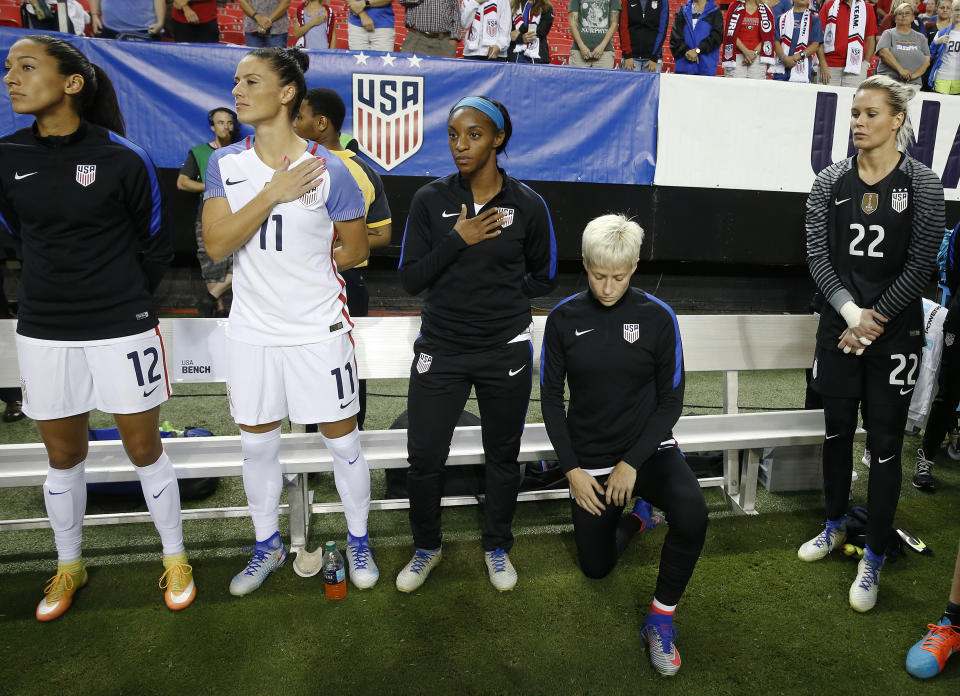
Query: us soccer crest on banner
{"points": [[631, 332], [388, 117], [86, 174]]}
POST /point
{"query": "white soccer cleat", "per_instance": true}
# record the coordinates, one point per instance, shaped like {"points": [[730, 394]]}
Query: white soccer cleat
{"points": [[864, 590], [832, 536], [415, 573], [503, 575], [363, 569]]}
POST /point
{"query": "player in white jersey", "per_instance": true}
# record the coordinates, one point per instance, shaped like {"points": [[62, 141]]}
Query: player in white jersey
{"points": [[280, 204]]}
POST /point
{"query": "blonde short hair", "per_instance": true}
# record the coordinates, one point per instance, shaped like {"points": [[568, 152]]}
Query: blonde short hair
{"points": [[904, 5], [612, 241]]}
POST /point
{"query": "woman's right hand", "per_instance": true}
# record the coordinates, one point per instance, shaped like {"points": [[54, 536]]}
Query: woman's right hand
{"points": [[584, 489], [692, 56], [289, 184], [871, 325], [749, 57], [480, 228]]}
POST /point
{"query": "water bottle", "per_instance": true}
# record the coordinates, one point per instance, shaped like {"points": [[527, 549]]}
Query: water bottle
{"points": [[334, 576]]}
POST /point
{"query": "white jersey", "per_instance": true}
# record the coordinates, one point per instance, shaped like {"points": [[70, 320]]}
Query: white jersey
{"points": [[286, 288]]}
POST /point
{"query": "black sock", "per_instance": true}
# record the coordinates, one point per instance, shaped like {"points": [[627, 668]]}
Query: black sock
{"points": [[953, 613]]}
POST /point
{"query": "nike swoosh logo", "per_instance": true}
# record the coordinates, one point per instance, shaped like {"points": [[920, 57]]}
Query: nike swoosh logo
{"points": [[904, 393], [830, 437], [58, 492], [233, 183], [884, 461], [675, 658], [351, 463], [513, 373], [148, 393], [446, 214], [580, 333], [18, 175], [161, 492], [348, 403], [836, 202]]}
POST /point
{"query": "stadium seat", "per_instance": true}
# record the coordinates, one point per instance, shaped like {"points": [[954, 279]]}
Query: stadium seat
{"points": [[10, 15]]}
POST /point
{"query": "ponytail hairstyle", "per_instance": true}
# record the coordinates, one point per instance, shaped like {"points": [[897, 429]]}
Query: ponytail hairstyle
{"points": [[97, 101], [898, 99], [489, 108], [289, 64]]}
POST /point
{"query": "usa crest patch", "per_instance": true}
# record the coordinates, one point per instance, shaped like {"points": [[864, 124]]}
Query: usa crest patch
{"points": [[311, 196], [86, 174], [508, 216], [899, 198], [424, 362], [631, 332]]}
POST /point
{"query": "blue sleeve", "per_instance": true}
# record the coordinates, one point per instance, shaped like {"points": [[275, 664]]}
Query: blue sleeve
{"points": [[816, 30], [214, 182], [344, 200], [661, 33], [781, 7]]}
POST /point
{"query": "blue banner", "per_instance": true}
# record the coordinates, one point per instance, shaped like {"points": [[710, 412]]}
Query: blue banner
{"points": [[569, 124]]}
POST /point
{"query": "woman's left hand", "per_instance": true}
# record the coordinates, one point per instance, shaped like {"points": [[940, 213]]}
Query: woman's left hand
{"points": [[529, 36], [620, 482], [493, 52], [849, 343]]}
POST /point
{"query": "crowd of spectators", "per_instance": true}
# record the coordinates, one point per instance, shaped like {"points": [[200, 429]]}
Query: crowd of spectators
{"points": [[832, 42]]}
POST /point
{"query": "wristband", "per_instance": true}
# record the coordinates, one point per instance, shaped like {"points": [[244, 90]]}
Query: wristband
{"points": [[851, 313]]}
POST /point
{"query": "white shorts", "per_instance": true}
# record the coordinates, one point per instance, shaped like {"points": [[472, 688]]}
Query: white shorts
{"points": [[312, 383], [121, 375]]}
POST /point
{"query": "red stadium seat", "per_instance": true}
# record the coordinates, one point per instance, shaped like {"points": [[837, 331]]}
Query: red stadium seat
{"points": [[10, 16]]}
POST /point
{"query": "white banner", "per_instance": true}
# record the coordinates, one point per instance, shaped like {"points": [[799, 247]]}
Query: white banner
{"points": [[774, 136], [199, 350]]}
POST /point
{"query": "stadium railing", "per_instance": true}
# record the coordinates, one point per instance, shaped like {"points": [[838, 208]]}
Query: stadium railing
{"points": [[712, 343]]}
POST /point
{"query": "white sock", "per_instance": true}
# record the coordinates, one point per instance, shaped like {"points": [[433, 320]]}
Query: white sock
{"points": [[262, 480], [665, 608], [162, 493], [65, 495], [352, 476]]}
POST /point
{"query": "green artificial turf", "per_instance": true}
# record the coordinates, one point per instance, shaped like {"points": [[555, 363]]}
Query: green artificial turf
{"points": [[754, 620]]}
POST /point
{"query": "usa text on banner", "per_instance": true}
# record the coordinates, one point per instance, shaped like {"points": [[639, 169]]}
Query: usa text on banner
{"points": [[570, 125], [780, 135]]}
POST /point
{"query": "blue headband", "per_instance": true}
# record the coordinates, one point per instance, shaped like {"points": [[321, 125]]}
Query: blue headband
{"points": [[484, 105]]}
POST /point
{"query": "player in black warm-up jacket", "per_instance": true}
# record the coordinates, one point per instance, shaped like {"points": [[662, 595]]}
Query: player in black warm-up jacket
{"points": [[874, 224], [481, 243], [84, 205], [619, 350]]}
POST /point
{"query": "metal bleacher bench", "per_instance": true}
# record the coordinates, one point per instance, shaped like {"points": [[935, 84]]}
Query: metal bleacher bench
{"points": [[724, 343]]}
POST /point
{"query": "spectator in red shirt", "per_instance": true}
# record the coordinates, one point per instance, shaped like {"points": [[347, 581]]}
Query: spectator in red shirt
{"points": [[195, 21], [748, 38], [849, 41]]}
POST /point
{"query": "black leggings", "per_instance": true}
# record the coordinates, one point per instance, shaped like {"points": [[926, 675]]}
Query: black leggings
{"points": [[884, 440], [666, 481]]}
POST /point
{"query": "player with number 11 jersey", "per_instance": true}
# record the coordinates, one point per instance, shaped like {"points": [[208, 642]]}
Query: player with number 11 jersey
{"points": [[279, 204]]}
